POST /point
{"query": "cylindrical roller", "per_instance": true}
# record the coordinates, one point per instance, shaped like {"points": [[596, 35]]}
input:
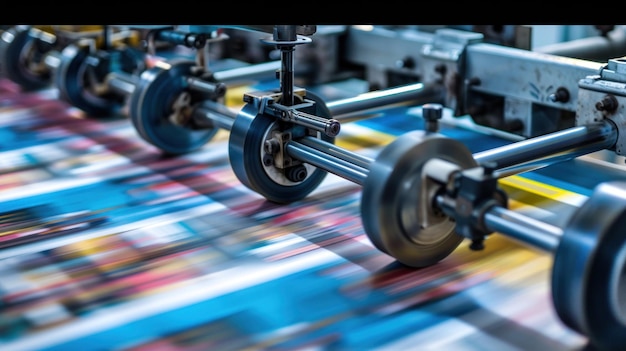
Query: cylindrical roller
{"points": [[589, 270], [391, 222], [596, 48], [248, 72], [82, 83], [319, 157], [122, 83], [159, 102], [205, 114], [256, 168], [21, 52], [541, 151], [417, 93], [190, 40], [396, 202]]}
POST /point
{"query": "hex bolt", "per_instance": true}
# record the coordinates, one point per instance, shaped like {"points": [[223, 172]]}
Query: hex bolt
{"points": [[477, 244], [441, 69], [489, 167], [474, 81], [561, 95], [268, 160], [271, 146], [296, 173], [432, 113], [407, 62], [608, 103]]}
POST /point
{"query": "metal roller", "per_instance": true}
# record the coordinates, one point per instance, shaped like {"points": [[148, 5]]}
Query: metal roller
{"points": [[425, 193], [161, 103], [170, 95], [398, 193], [255, 152], [282, 144], [412, 207], [159, 98], [252, 131], [589, 269], [100, 80], [83, 80], [29, 55], [26, 56]]}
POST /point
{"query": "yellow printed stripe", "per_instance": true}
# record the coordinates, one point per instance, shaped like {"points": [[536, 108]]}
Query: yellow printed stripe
{"points": [[544, 190], [533, 186], [370, 140], [354, 137], [234, 95]]}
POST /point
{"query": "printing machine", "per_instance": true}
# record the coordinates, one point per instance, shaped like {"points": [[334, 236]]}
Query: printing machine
{"points": [[424, 193]]}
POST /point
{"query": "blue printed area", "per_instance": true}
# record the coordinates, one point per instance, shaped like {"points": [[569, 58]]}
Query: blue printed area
{"points": [[110, 200], [12, 138], [398, 120], [369, 305], [313, 304]]}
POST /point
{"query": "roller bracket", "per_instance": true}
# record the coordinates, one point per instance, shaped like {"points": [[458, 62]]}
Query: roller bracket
{"points": [[476, 191]]}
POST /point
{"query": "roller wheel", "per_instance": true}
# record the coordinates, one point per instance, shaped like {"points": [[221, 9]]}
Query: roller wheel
{"points": [[152, 103], [20, 59], [80, 73], [247, 138], [589, 270], [397, 207]]}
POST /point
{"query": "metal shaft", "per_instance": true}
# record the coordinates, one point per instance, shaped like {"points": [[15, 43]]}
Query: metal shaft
{"points": [[211, 114], [511, 159], [541, 151], [330, 158], [597, 48], [417, 93], [201, 85], [190, 40], [122, 83], [513, 224], [375, 99], [52, 60], [317, 152], [250, 72], [523, 228], [532, 154]]}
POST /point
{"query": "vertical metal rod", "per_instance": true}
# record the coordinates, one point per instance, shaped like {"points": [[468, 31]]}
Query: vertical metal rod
{"points": [[287, 34], [106, 37]]}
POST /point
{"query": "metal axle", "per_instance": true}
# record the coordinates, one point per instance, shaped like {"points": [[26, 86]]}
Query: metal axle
{"points": [[531, 154], [207, 112]]}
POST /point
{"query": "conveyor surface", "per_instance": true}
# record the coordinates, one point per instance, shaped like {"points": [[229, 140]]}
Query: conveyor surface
{"points": [[106, 244]]}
